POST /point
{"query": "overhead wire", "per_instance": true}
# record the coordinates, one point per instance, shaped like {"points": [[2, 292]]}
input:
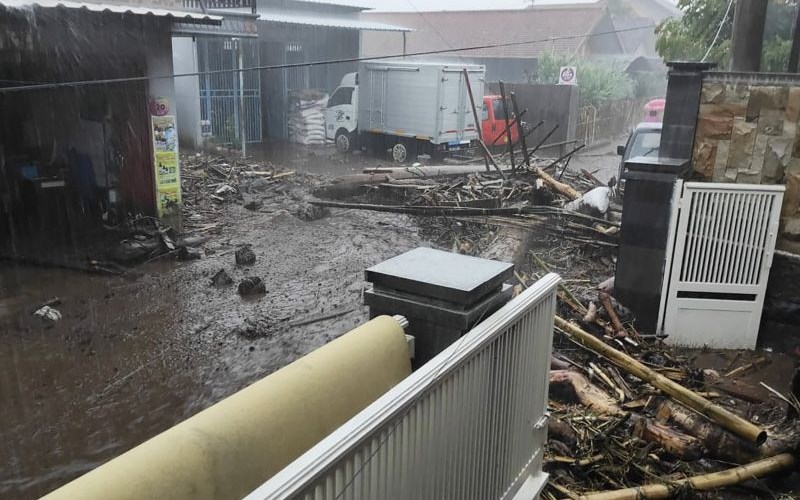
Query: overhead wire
{"points": [[80, 83], [719, 30]]}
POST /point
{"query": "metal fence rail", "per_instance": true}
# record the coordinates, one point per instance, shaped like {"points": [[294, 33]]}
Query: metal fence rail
{"points": [[469, 424]]}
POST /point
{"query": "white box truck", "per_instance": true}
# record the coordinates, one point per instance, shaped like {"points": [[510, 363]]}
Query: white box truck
{"points": [[410, 107]]}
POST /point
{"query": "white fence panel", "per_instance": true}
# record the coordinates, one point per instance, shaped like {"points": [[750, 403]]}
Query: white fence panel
{"points": [[469, 424]]}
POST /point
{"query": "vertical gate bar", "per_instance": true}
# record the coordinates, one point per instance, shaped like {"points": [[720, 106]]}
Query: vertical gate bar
{"points": [[733, 237], [719, 207], [698, 256], [719, 268], [762, 238], [751, 242], [714, 236], [746, 232], [739, 238], [691, 248]]}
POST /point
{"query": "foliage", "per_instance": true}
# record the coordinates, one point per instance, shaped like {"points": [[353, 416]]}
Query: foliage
{"points": [[597, 81], [688, 38]]}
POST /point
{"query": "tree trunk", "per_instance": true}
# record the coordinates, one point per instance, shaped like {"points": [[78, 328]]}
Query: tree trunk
{"points": [[573, 387]]}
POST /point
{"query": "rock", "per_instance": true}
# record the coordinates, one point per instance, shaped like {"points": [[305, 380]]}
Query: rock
{"points": [[713, 126], [221, 278], [48, 314], [309, 212], [737, 93], [743, 136], [791, 198], [792, 113], [763, 98], [721, 160], [776, 159], [185, 253], [252, 203], [770, 122], [252, 285], [224, 189], [704, 157], [245, 256], [258, 185], [712, 93], [256, 328]]}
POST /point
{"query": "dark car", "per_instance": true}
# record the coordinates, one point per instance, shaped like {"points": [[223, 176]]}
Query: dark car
{"points": [[643, 141]]}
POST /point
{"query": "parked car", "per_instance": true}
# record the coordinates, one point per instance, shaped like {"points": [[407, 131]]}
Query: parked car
{"points": [[643, 141], [410, 107]]}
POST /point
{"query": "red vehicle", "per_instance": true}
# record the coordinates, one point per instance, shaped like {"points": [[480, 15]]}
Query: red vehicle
{"points": [[493, 122]]}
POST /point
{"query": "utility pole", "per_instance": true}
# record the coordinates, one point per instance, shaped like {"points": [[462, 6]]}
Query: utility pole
{"points": [[795, 52], [748, 34]]}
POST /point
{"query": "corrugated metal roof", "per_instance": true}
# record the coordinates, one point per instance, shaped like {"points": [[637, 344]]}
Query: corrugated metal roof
{"points": [[560, 28], [329, 21], [195, 17]]}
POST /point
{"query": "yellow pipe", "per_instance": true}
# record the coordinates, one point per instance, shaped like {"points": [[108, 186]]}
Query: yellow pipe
{"points": [[229, 449]]}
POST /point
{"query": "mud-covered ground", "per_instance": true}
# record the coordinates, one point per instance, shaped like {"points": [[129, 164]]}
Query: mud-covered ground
{"points": [[133, 355]]}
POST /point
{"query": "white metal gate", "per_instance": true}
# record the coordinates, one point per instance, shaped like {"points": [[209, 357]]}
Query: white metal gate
{"points": [[470, 424], [722, 238]]}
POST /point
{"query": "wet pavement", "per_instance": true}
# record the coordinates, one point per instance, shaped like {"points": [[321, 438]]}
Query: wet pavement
{"points": [[133, 355]]}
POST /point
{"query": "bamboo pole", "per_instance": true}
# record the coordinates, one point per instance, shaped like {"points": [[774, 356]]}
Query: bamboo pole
{"points": [[733, 423], [478, 123], [703, 482], [508, 128]]}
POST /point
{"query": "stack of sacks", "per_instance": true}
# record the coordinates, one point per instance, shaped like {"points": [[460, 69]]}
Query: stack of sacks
{"points": [[306, 118]]}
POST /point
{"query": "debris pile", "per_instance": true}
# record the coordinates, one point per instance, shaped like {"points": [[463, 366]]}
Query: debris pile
{"points": [[628, 411], [212, 181], [306, 121]]}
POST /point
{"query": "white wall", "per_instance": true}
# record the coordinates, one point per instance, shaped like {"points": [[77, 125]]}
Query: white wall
{"points": [[187, 91]]}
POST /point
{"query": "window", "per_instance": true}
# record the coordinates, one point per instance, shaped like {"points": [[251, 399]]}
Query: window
{"points": [[645, 144], [343, 95], [484, 113], [499, 112]]}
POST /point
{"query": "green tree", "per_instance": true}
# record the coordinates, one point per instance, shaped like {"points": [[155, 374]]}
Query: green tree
{"points": [[688, 38]]}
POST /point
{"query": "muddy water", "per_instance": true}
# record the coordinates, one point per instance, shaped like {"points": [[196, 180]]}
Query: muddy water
{"points": [[134, 355]]}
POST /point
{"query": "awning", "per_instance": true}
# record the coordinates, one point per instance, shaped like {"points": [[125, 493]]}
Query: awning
{"points": [[190, 17], [234, 25], [328, 22]]}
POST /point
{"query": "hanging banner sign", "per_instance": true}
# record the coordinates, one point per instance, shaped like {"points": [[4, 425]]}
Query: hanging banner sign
{"points": [[167, 168]]}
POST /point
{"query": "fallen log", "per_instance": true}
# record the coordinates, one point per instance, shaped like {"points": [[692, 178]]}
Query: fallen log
{"points": [[704, 482], [562, 431], [571, 386], [605, 300], [672, 441], [724, 445], [734, 423], [562, 188]]}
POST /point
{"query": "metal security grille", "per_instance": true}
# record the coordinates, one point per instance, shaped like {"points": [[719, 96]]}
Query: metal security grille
{"points": [[724, 236], [469, 424], [228, 96]]}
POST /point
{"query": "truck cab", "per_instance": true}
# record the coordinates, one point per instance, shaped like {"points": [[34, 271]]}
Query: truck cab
{"points": [[341, 115], [493, 122]]}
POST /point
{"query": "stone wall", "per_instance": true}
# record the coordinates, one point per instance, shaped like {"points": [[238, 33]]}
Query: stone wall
{"points": [[747, 133]]}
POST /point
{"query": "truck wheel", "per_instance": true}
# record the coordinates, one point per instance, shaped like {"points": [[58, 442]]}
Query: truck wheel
{"points": [[344, 141], [399, 152]]}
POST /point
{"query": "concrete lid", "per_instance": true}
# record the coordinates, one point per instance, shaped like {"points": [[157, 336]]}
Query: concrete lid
{"points": [[441, 275]]}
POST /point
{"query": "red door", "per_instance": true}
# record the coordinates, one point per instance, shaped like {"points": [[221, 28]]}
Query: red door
{"points": [[493, 126]]}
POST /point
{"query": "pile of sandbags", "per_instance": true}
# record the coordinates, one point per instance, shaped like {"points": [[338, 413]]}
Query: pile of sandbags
{"points": [[306, 118]]}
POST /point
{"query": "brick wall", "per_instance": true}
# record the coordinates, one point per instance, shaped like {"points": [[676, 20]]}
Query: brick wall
{"points": [[747, 132]]}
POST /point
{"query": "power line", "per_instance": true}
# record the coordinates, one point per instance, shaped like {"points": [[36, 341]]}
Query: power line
{"points": [[434, 28], [81, 83], [719, 30]]}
